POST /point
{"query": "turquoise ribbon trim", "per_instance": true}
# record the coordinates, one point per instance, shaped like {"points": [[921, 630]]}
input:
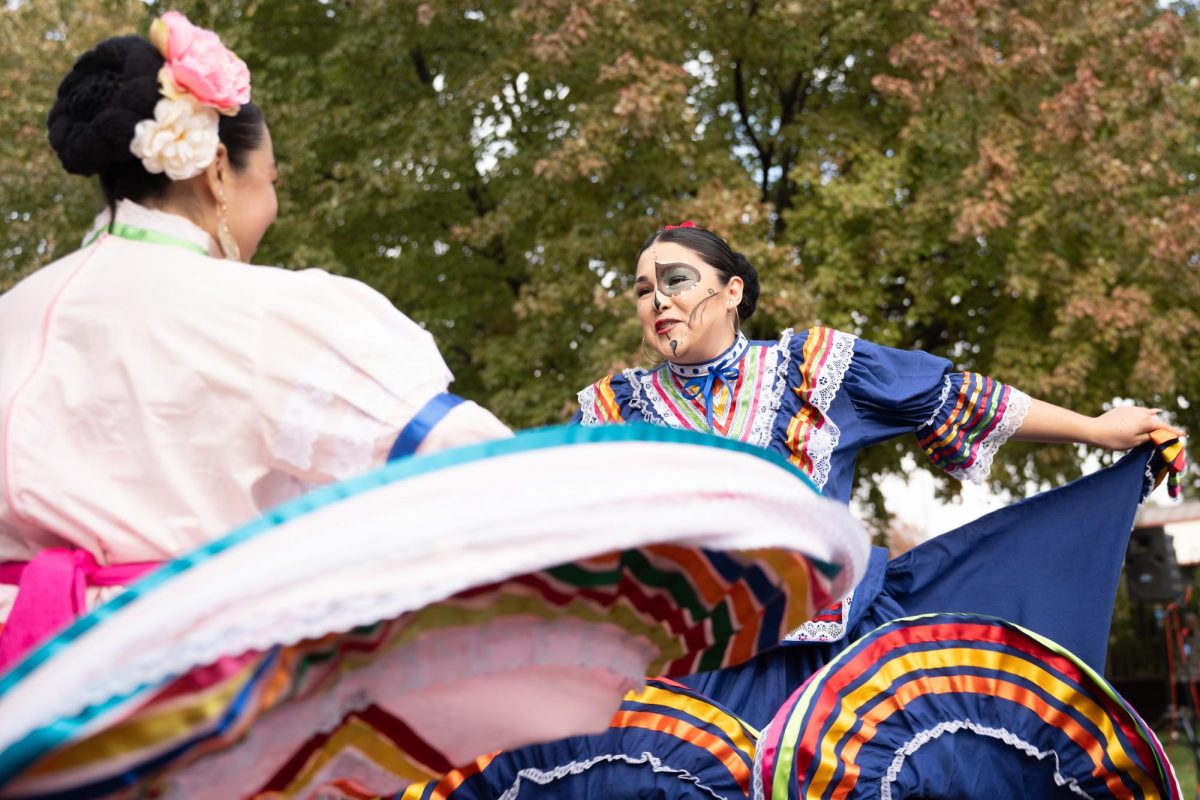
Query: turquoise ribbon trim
{"points": [[40, 742], [143, 235]]}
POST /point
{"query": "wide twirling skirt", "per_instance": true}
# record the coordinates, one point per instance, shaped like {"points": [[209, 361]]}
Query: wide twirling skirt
{"points": [[448, 606]]}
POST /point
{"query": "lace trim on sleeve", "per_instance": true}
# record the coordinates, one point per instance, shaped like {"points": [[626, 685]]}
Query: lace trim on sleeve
{"points": [[834, 352], [1014, 417], [311, 414], [829, 381], [303, 416], [947, 385], [587, 406]]}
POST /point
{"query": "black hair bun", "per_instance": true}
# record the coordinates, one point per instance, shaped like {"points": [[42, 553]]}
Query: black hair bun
{"points": [[108, 92], [749, 276]]}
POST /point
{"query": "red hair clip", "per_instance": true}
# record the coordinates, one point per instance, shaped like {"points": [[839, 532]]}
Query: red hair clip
{"points": [[685, 224]]}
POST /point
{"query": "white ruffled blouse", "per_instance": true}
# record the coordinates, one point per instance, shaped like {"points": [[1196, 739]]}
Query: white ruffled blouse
{"points": [[154, 396]]}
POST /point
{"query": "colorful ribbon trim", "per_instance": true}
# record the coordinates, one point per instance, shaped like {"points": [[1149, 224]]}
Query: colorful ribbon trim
{"points": [[1172, 460], [48, 738]]}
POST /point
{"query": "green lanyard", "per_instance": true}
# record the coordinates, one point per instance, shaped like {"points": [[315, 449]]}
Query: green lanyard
{"points": [[143, 235]]}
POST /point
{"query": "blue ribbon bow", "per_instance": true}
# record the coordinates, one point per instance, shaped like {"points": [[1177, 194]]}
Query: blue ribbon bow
{"points": [[703, 387]]}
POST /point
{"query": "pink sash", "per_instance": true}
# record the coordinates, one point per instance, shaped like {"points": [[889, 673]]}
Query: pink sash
{"points": [[52, 591]]}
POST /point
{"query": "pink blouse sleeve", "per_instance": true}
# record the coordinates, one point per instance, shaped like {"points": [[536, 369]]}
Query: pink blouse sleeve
{"points": [[340, 371]]}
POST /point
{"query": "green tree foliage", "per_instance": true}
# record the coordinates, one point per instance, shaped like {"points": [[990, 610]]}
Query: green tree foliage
{"points": [[1034, 213], [43, 211], [1011, 185]]}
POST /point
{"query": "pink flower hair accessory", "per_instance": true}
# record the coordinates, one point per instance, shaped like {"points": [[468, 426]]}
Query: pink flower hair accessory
{"points": [[199, 64], [200, 79], [685, 224]]}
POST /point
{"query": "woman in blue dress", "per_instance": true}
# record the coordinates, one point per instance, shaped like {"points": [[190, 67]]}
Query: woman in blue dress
{"points": [[818, 397], [1050, 563]]}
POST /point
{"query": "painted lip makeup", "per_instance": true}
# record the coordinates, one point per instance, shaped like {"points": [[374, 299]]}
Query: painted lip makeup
{"points": [[664, 325]]}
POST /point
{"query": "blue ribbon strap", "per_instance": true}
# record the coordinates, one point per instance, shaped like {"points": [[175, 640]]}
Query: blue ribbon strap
{"points": [[703, 387], [420, 425]]}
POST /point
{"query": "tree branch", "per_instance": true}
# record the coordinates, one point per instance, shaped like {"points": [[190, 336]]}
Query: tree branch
{"points": [[792, 101], [424, 74], [739, 99], [787, 100]]}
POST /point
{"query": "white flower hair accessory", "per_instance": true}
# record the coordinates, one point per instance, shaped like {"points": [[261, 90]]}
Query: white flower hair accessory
{"points": [[200, 80], [181, 140]]}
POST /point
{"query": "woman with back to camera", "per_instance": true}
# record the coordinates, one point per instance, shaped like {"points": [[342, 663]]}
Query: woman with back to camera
{"points": [[155, 390]]}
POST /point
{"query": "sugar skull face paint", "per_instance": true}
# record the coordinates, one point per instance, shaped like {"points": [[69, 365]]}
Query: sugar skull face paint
{"points": [[686, 306], [675, 278]]}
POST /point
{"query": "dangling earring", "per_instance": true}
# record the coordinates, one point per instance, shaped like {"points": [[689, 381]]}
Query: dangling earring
{"points": [[229, 245]]}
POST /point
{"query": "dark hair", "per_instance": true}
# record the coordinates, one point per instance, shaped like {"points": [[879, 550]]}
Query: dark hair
{"points": [[112, 88], [717, 253]]}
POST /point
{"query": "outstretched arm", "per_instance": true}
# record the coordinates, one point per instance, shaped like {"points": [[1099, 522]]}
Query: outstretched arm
{"points": [[1122, 428]]}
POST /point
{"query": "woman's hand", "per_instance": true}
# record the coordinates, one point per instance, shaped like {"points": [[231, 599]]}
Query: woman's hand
{"points": [[1125, 427]]}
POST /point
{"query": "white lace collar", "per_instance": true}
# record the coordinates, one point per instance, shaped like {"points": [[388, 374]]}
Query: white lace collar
{"points": [[732, 355], [138, 216]]}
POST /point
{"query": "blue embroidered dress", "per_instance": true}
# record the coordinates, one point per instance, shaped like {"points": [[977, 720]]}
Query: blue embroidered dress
{"points": [[818, 397]]}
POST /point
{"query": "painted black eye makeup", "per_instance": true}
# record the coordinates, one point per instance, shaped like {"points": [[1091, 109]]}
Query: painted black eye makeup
{"points": [[675, 278]]}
